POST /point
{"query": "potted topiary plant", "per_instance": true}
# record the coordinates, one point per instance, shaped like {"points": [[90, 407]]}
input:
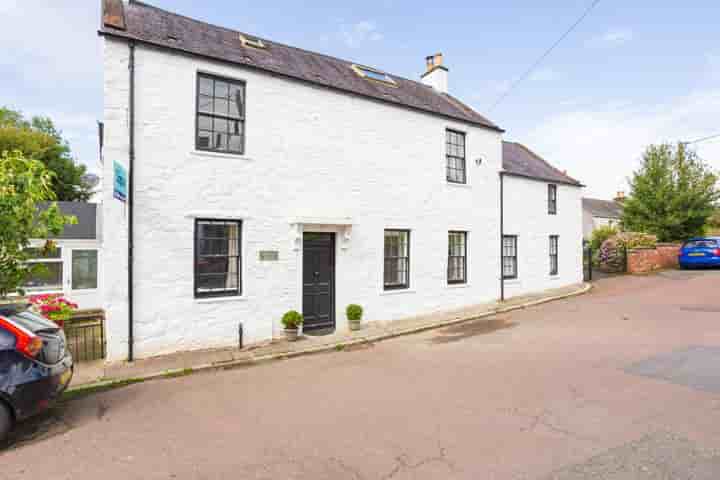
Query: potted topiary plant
{"points": [[292, 321], [354, 315]]}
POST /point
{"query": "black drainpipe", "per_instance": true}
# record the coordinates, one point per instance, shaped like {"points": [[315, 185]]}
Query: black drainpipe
{"points": [[131, 197], [502, 234]]}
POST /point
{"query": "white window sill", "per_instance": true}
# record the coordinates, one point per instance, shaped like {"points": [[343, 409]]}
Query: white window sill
{"points": [[397, 292], [459, 185], [232, 156], [514, 281], [221, 299], [457, 285], [554, 277], [42, 291]]}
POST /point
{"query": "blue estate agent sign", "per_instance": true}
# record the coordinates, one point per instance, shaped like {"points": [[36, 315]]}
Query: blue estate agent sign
{"points": [[120, 182]]}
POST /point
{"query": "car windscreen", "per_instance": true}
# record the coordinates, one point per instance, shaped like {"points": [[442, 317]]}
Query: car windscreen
{"points": [[29, 321], [701, 244]]}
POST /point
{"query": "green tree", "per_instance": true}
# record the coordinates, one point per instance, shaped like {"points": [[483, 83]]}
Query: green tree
{"points": [[672, 194], [23, 184], [38, 138]]}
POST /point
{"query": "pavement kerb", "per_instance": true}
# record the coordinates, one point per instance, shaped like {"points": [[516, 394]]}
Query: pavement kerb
{"points": [[261, 359]]}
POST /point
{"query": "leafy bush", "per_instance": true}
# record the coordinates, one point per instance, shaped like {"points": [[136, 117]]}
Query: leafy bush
{"points": [[611, 257], [636, 240], [292, 320], [601, 234], [354, 312]]}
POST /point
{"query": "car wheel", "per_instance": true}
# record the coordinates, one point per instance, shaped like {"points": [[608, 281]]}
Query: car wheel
{"points": [[6, 422]]}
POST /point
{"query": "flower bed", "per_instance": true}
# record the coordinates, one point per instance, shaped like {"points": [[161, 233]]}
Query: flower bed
{"points": [[54, 307]]}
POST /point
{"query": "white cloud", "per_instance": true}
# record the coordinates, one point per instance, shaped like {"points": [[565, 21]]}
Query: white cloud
{"points": [[613, 38], [51, 64], [357, 34], [602, 146], [713, 64]]}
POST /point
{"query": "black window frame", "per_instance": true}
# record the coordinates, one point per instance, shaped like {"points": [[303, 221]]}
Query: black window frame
{"points": [[451, 256], [554, 263], [552, 199], [242, 120], [386, 259], [196, 257], [513, 257], [448, 156]]}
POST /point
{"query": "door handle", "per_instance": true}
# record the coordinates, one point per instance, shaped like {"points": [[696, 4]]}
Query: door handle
{"points": [[317, 274]]}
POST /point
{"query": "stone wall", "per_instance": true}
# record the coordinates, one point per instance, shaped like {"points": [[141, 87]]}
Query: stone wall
{"points": [[645, 260]]}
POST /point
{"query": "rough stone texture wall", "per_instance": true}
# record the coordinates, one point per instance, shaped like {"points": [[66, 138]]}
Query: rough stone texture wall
{"points": [[526, 215], [310, 152], [645, 260]]}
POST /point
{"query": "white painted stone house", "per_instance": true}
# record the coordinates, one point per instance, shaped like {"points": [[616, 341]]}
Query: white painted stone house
{"points": [[266, 178]]}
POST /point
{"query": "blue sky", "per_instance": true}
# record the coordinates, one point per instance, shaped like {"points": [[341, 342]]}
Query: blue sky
{"points": [[631, 74]]}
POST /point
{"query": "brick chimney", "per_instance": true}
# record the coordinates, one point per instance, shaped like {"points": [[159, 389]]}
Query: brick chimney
{"points": [[113, 14], [436, 74], [620, 197]]}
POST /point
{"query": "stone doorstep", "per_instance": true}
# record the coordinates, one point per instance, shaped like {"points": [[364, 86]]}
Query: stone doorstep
{"points": [[92, 374]]}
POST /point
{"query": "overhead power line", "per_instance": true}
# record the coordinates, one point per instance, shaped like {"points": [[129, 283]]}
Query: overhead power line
{"points": [[704, 139], [544, 55]]}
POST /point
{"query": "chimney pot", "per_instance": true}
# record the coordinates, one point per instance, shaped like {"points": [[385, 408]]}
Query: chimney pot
{"points": [[434, 61], [435, 73]]}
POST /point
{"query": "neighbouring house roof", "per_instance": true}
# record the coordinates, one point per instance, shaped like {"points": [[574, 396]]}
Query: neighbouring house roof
{"points": [[86, 214], [154, 26], [521, 161], [602, 208]]}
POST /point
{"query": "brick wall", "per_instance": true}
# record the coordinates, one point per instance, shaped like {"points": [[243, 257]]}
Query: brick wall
{"points": [[645, 260]]}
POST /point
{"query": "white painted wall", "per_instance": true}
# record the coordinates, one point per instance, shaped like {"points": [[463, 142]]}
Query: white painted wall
{"points": [[311, 152], [526, 215]]}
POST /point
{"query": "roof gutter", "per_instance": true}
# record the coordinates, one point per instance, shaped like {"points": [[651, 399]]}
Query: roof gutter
{"points": [[543, 179]]}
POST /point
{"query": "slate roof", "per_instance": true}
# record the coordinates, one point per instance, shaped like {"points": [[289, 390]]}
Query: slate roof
{"points": [[602, 208], [151, 25], [521, 161], [86, 213]]}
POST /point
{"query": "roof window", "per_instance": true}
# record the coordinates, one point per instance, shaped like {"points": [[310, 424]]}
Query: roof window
{"points": [[253, 42], [375, 75]]}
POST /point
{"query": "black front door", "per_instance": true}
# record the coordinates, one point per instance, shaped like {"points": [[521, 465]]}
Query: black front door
{"points": [[319, 281]]}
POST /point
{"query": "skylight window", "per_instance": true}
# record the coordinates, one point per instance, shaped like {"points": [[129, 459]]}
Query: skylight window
{"points": [[375, 75], [253, 42]]}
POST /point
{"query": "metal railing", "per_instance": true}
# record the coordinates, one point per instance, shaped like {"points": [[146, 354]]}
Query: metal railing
{"points": [[86, 337]]}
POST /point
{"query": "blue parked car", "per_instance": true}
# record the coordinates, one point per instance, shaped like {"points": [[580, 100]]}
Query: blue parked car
{"points": [[35, 365], [700, 252]]}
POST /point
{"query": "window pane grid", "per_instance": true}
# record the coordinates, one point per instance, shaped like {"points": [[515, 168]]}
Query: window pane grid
{"points": [[217, 258], [509, 258], [397, 259], [457, 257], [220, 115], [455, 155], [553, 255], [552, 199]]}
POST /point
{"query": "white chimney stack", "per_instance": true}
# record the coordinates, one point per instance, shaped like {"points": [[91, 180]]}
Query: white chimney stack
{"points": [[436, 75]]}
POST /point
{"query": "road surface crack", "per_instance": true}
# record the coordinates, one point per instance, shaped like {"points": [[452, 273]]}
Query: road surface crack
{"points": [[403, 463]]}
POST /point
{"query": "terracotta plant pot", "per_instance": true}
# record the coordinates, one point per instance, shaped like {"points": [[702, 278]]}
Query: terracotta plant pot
{"points": [[291, 334], [354, 324]]}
